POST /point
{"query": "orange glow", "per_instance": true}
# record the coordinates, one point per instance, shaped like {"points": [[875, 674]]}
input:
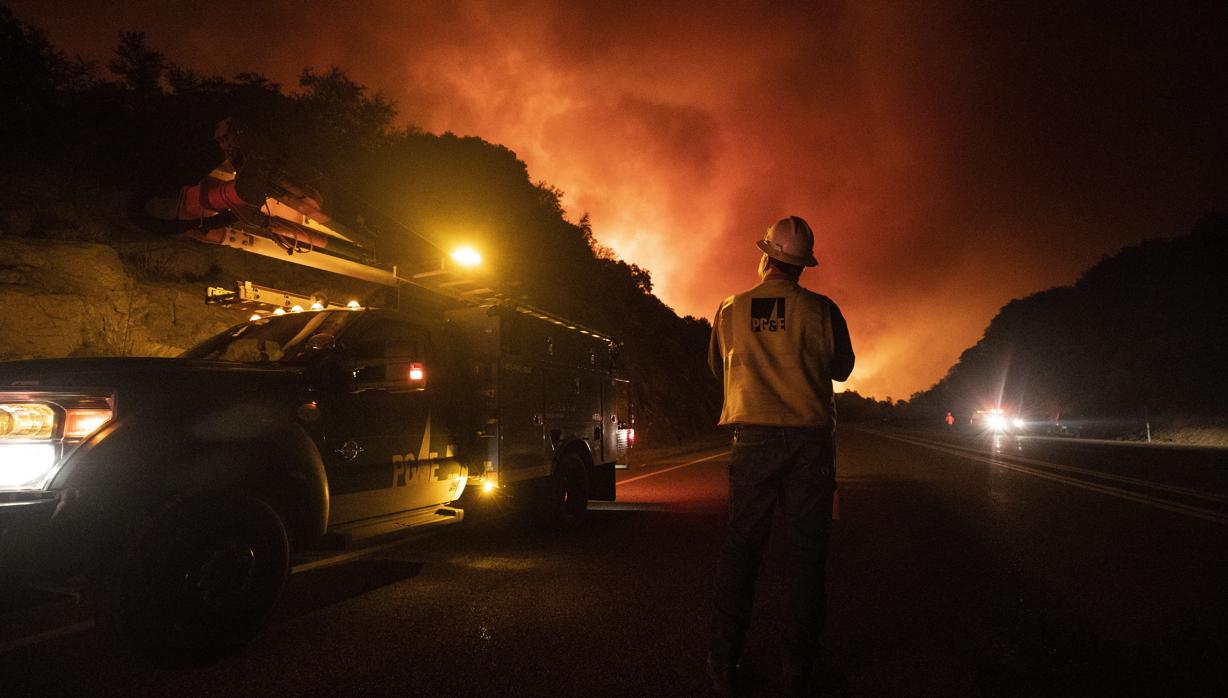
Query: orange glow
{"points": [[81, 422]]}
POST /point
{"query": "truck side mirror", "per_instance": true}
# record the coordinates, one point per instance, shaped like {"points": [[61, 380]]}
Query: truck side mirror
{"points": [[321, 341]]}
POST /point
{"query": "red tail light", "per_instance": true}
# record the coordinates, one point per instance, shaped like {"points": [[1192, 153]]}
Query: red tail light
{"points": [[417, 373]]}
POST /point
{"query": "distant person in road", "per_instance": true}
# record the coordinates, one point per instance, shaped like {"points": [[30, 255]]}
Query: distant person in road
{"points": [[777, 348]]}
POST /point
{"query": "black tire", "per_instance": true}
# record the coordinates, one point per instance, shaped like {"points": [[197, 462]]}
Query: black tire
{"points": [[199, 580]]}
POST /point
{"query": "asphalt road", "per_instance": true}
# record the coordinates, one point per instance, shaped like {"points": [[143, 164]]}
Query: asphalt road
{"points": [[957, 568]]}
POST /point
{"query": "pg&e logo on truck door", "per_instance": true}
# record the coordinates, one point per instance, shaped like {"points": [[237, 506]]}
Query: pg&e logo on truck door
{"points": [[767, 314]]}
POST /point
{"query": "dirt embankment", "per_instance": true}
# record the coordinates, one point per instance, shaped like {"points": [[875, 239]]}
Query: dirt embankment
{"points": [[79, 299], [132, 298]]}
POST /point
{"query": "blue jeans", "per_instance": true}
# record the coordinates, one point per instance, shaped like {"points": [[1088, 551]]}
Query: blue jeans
{"points": [[793, 469]]}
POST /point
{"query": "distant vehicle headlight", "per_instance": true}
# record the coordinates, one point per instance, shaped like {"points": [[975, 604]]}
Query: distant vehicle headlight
{"points": [[1018, 423], [995, 421]]}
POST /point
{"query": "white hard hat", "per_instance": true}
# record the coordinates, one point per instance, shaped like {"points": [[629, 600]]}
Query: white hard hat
{"points": [[791, 241]]}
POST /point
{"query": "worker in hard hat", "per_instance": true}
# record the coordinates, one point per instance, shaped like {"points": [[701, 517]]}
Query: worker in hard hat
{"points": [[777, 348]]}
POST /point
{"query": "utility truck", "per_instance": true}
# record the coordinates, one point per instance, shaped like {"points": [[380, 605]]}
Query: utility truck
{"points": [[176, 490]]}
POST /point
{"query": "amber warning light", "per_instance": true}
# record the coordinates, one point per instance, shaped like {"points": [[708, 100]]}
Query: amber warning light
{"points": [[467, 257], [80, 423]]}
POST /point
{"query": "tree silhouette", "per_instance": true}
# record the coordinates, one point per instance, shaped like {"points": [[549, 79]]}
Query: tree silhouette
{"points": [[344, 105], [139, 67]]}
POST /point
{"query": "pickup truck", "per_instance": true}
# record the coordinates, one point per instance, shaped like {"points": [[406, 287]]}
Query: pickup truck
{"points": [[176, 490]]}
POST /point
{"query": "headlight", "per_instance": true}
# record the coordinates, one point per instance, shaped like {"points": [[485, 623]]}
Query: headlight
{"points": [[1018, 423], [38, 429], [996, 422], [23, 466], [26, 420]]}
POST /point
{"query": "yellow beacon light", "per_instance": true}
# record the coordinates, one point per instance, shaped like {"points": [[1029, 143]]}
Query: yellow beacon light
{"points": [[466, 257]]}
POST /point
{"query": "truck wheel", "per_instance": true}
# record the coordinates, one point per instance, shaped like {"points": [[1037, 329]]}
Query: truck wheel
{"points": [[199, 580], [570, 485]]}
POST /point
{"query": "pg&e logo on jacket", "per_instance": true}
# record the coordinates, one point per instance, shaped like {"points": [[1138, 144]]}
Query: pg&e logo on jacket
{"points": [[767, 314]]}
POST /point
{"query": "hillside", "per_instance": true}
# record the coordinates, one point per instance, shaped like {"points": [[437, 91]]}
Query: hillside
{"points": [[80, 144], [1141, 336]]}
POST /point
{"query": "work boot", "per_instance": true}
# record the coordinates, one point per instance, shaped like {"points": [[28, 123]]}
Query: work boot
{"points": [[723, 675]]}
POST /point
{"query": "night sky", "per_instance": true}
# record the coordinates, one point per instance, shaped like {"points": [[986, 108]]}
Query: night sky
{"points": [[950, 157]]}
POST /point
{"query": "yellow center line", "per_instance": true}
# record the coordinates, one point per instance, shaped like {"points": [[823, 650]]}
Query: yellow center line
{"points": [[674, 467]]}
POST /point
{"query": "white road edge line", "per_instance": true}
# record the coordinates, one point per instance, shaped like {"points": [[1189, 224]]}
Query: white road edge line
{"points": [[1149, 484], [1156, 502], [673, 467]]}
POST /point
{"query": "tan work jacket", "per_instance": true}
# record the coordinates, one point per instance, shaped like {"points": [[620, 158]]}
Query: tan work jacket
{"points": [[777, 347]]}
